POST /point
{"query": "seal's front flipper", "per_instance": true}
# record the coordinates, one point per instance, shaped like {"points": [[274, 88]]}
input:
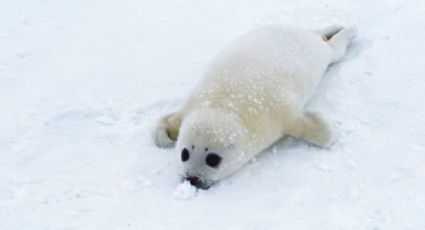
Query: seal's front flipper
{"points": [[312, 127], [166, 131]]}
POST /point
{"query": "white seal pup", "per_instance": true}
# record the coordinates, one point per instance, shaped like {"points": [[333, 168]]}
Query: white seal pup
{"points": [[251, 95]]}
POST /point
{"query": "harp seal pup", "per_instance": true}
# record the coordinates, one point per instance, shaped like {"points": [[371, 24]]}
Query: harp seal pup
{"points": [[251, 95]]}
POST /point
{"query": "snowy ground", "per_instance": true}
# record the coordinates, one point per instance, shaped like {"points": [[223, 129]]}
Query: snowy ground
{"points": [[81, 83]]}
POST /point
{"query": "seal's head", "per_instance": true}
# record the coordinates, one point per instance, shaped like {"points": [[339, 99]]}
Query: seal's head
{"points": [[211, 146]]}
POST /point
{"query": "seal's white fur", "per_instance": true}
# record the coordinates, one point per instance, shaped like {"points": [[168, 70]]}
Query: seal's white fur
{"points": [[252, 94]]}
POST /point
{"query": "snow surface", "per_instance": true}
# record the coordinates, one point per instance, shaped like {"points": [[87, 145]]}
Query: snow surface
{"points": [[81, 83]]}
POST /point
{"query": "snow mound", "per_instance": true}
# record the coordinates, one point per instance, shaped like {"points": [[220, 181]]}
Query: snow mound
{"points": [[184, 191]]}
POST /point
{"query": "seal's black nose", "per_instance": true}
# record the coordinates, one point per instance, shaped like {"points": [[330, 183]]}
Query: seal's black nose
{"points": [[194, 180], [197, 182]]}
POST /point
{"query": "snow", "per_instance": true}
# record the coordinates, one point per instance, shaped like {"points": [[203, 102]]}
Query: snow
{"points": [[184, 191], [81, 83]]}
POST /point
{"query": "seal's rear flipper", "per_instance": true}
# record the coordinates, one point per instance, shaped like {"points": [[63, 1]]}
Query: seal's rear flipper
{"points": [[329, 31], [338, 39]]}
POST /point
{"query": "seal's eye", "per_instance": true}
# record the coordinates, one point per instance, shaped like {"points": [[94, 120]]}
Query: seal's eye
{"points": [[213, 160], [185, 154]]}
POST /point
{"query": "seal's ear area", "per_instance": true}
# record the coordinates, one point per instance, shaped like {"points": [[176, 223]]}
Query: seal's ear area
{"points": [[166, 131]]}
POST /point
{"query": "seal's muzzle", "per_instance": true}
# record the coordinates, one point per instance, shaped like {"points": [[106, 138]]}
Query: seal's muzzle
{"points": [[198, 182]]}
